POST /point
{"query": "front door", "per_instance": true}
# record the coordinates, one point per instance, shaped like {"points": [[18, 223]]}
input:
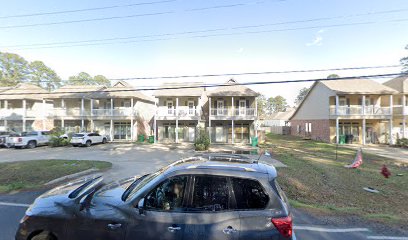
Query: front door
{"points": [[242, 107], [191, 110], [163, 218], [219, 134], [191, 134], [170, 109], [220, 107]]}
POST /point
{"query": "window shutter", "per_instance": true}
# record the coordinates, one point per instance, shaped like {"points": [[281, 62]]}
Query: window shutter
{"points": [[185, 103], [348, 101], [237, 103], [247, 103]]}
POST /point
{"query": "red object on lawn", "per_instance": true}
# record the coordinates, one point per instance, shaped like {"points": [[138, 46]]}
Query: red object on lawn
{"points": [[385, 172], [358, 160]]}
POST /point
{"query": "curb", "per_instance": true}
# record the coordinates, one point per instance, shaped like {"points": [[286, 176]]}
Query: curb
{"points": [[74, 175]]}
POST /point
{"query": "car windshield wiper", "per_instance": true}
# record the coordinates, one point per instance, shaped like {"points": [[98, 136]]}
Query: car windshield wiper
{"points": [[132, 186]]}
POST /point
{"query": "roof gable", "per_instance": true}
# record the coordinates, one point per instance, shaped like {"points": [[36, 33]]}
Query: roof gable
{"points": [[400, 84], [232, 88]]}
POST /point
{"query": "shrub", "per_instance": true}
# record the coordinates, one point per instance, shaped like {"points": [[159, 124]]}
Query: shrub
{"points": [[202, 141], [402, 142], [56, 140]]}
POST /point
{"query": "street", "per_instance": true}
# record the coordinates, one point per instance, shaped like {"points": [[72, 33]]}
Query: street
{"points": [[13, 207], [131, 159]]}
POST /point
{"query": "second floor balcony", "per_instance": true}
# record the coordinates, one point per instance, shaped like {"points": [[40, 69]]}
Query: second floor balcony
{"points": [[97, 113], [358, 110], [231, 112], [181, 111]]}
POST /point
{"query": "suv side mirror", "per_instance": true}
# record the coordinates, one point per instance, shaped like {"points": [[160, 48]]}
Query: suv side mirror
{"points": [[140, 206]]}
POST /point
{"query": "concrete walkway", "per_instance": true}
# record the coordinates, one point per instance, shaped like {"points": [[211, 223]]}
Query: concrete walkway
{"points": [[399, 154]]}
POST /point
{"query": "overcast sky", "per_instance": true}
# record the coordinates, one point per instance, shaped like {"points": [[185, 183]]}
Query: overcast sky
{"points": [[238, 36]]}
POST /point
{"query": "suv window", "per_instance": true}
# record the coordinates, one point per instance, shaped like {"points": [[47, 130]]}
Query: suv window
{"points": [[168, 195], [211, 193], [249, 194]]}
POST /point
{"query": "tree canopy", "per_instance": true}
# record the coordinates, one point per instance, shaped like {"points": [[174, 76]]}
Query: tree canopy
{"points": [[404, 62], [301, 95], [14, 69], [84, 78], [331, 76]]}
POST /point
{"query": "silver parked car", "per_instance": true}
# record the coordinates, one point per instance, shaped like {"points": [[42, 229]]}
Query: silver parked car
{"points": [[204, 197]]}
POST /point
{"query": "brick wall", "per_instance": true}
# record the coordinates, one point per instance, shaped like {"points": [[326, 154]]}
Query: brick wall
{"points": [[320, 129]]}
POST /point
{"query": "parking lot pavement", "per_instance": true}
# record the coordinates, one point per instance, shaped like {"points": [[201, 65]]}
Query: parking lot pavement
{"points": [[127, 159]]}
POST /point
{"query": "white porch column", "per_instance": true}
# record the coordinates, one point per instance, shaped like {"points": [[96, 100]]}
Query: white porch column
{"points": [[404, 116], [256, 106], [177, 117], [111, 107], [82, 114], [5, 124], [155, 122], [24, 114], [209, 117], [232, 106], [111, 130], [92, 122], [337, 130], [391, 119], [132, 128], [5, 104], [363, 111], [232, 133], [44, 115], [363, 132], [337, 106], [62, 123], [62, 103]]}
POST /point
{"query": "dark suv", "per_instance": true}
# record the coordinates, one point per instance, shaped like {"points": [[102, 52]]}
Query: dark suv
{"points": [[212, 196]]}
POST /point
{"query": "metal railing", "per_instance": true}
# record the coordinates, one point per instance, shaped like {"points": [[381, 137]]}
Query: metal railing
{"points": [[229, 111], [185, 111], [358, 110], [400, 110]]}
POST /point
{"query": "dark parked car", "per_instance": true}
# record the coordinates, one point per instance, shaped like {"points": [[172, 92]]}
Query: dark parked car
{"points": [[204, 197]]}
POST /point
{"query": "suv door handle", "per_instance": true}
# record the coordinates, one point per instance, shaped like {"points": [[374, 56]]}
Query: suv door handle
{"points": [[229, 230], [174, 228], [114, 226]]}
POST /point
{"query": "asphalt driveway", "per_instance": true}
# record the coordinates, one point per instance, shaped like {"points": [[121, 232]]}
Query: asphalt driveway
{"points": [[127, 159]]}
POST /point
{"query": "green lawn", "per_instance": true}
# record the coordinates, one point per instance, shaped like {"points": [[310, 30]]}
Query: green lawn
{"points": [[34, 173], [315, 180]]}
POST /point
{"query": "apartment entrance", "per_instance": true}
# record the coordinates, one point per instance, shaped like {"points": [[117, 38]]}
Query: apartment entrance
{"points": [[122, 131]]}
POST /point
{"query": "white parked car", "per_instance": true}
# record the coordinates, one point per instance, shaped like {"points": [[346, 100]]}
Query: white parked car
{"points": [[6, 139], [87, 139], [31, 139]]}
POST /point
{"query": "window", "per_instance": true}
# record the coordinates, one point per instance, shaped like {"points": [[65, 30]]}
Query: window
{"points": [[168, 196], [249, 194], [170, 107], [190, 107], [308, 127], [210, 194]]}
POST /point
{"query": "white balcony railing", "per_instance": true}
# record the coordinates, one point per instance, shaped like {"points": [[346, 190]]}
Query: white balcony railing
{"points": [[229, 111], [400, 110], [358, 110], [116, 112], [183, 111]]}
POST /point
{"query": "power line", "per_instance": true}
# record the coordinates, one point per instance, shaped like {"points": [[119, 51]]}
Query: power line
{"points": [[211, 35], [197, 9], [243, 73], [107, 41], [84, 9], [123, 17], [228, 84]]}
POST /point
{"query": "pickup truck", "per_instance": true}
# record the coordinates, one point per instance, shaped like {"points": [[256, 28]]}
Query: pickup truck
{"points": [[6, 139], [32, 139]]}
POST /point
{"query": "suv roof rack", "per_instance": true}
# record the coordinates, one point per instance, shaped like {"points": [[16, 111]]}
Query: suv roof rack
{"points": [[227, 157]]}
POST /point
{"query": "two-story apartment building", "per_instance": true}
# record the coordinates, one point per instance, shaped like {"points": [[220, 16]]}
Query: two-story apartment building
{"points": [[179, 112], [232, 113], [360, 110], [23, 108], [120, 111]]}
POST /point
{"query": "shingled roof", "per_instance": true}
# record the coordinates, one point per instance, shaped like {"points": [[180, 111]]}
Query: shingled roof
{"points": [[23, 91], [358, 86], [400, 83], [232, 90], [120, 90], [194, 91]]}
